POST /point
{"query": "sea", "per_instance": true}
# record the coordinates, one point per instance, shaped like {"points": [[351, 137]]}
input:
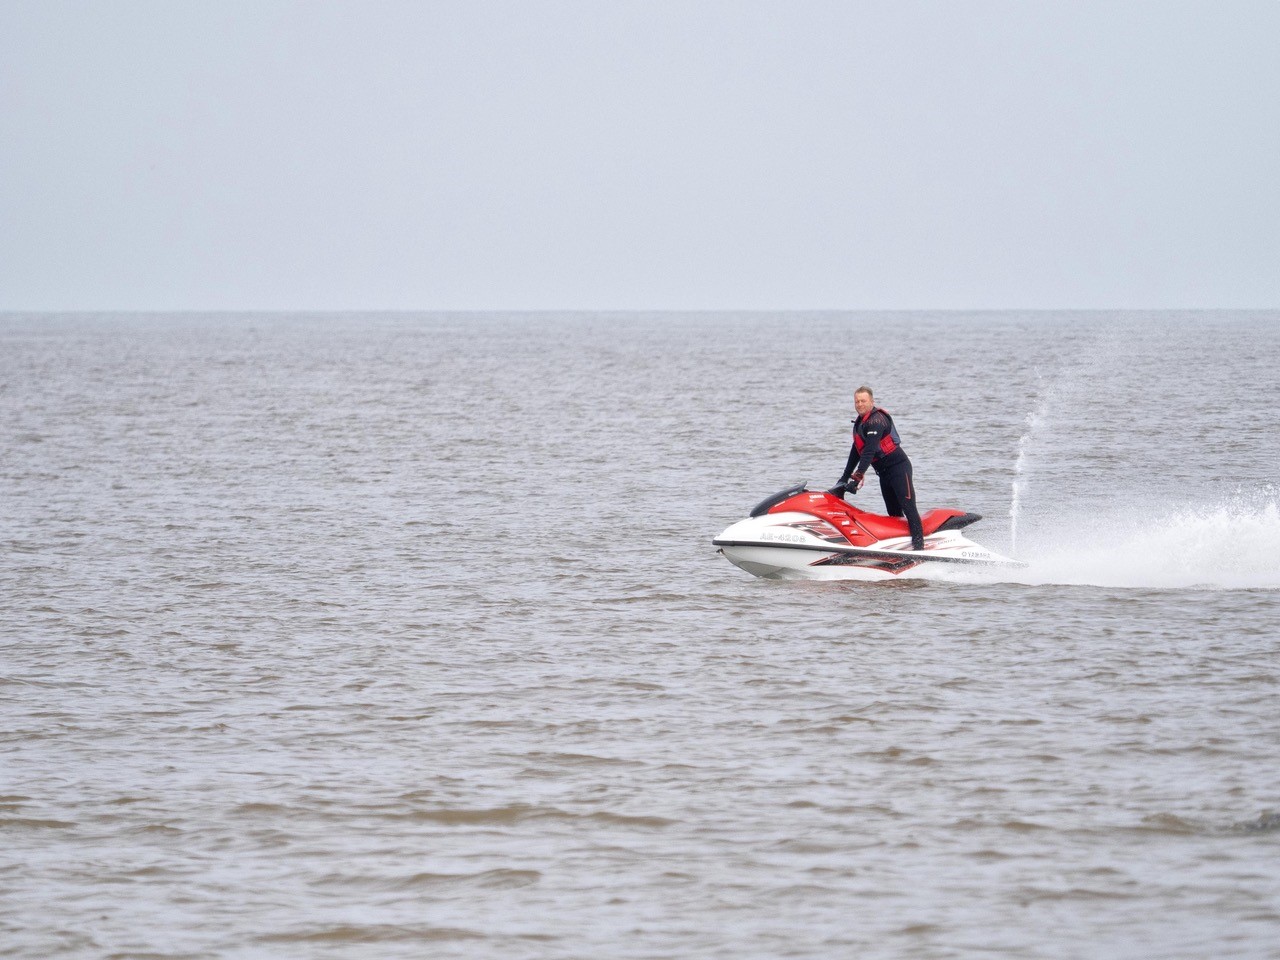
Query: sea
{"points": [[403, 635]]}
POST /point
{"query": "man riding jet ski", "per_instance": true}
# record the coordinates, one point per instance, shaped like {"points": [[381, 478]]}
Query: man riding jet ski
{"points": [[876, 444]]}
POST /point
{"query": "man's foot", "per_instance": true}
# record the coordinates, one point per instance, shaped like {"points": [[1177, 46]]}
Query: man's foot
{"points": [[917, 546]]}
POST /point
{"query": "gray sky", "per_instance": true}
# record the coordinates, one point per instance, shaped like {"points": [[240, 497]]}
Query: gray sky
{"points": [[596, 154]]}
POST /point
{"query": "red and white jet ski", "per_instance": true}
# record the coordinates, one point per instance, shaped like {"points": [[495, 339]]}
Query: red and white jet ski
{"points": [[800, 534]]}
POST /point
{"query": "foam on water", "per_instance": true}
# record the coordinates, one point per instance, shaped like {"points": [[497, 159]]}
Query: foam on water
{"points": [[1233, 544]]}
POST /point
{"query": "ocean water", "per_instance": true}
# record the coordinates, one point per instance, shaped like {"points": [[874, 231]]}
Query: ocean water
{"points": [[403, 636]]}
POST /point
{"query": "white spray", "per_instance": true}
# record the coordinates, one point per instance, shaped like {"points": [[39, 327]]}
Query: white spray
{"points": [[1034, 420]]}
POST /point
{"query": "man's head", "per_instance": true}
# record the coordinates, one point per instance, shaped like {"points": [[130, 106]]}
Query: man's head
{"points": [[863, 402]]}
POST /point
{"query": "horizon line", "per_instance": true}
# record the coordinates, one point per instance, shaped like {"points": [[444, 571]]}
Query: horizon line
{"points": [[615, 311]]}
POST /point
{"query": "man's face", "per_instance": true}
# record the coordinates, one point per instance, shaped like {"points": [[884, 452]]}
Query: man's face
{"points": [[862, 403]]}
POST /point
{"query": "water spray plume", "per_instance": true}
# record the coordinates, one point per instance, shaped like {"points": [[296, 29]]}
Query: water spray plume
{"points": [[1034, 420], [1233, 544]]}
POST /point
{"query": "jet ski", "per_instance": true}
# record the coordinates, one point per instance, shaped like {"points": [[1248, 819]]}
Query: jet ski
{"points": [[802, 534]]}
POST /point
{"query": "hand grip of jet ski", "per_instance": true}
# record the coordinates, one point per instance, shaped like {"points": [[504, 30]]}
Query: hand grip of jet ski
{"points": [[855, 483], [839, 489]]}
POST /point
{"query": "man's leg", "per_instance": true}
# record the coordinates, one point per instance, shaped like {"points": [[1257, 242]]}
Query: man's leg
{"points": [[901, 484], [909, 508], [892, 506]]}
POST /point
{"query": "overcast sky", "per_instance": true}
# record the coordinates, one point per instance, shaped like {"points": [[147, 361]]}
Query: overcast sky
{"points": [[596, 154]]}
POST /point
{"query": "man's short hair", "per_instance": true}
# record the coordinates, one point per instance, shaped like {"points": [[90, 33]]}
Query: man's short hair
{"points": [[866, 390]]}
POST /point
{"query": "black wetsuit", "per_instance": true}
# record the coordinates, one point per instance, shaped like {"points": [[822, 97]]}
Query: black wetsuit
{"points": [[876, 444]]}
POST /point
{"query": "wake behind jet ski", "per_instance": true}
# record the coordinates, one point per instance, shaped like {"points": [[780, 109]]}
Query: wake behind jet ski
{"points": [[799, 534]]}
